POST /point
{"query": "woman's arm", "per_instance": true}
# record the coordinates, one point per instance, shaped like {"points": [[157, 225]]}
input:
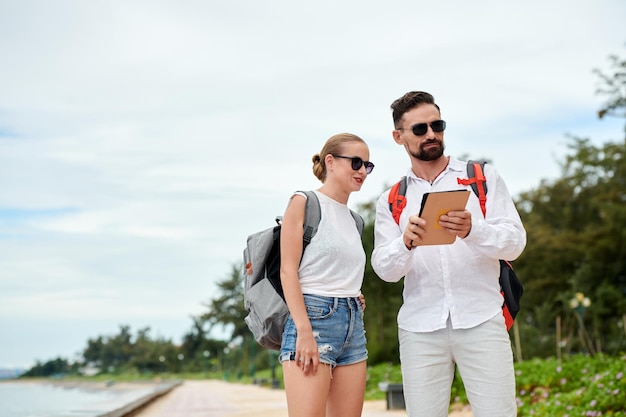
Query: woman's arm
{"points": [[291, 234]]}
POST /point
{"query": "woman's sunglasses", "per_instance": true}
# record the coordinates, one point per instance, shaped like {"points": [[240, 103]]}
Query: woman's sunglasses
{"points": [[420, 129], [357, 163]]}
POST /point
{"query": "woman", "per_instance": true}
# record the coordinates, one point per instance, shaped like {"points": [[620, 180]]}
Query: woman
{"points": [[323, 351]]}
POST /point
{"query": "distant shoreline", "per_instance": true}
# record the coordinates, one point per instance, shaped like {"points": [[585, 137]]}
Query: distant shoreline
{"points": [[93, 385], [139, 393]]}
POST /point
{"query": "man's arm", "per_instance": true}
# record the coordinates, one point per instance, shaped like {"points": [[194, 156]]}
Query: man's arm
{"points": [[391, 259], [501, 234]]}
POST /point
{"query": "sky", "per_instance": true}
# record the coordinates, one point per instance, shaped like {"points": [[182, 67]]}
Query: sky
{"points": [[141, 142]]}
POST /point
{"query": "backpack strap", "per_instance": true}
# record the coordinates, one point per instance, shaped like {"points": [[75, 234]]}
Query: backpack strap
{"points": [[476, 179], [397, 198], [359, 221], [312, 217]]}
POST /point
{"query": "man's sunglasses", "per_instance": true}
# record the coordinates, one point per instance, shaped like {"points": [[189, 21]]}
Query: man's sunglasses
{"points": [[357, 163], [420, 129]]}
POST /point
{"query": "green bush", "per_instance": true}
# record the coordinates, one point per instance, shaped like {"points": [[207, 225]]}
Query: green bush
{"points": [[578, 385], [381, 373]]}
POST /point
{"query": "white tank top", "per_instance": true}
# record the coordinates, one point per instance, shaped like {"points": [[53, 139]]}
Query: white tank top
{"points": [[333, 263]]}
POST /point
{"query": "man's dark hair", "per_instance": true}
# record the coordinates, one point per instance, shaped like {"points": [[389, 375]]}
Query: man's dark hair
{"points": [[409, 101]]}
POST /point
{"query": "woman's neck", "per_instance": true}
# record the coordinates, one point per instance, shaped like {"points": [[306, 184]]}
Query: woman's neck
{"points": [[334, 193]]}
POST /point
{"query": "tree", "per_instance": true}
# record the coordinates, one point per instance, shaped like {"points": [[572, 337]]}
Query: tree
{"points": [[227, 309], [53, 367], [118, 349], [613, 86], [123, 352], [146, 353], [383, 300], [576, 229]]}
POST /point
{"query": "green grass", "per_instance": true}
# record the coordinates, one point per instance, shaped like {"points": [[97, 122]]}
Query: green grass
{"points": [[578, 386]]}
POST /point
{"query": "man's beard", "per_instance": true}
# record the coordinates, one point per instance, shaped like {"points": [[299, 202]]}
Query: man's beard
{"points": [[430, 154]]}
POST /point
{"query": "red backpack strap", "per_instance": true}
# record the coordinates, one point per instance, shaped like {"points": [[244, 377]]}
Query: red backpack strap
{"points": [[397, 199], [481, 184], [476, 179]]}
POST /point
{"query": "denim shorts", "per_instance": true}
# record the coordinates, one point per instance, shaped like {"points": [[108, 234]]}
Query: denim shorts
{"points": [[338, 329]]}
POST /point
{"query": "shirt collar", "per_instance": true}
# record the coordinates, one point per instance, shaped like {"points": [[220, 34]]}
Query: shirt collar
{"points": [[454, 165]]}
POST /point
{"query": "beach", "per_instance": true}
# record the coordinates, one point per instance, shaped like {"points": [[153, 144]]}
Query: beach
{"points": [[222, 399], [188, 398]]}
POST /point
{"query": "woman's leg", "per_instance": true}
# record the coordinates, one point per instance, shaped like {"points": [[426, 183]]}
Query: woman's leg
{"points": [[347, 391], [306, 395]]}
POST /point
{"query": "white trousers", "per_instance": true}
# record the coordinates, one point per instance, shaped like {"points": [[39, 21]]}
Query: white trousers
{"points": [[485, 360]]}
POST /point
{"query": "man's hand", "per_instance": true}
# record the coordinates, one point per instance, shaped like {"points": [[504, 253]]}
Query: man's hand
{"points": [[459, 223], [414, 231]]}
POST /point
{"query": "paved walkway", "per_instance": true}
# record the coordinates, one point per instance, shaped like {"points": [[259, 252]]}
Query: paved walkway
{"points": [[214, 398]]}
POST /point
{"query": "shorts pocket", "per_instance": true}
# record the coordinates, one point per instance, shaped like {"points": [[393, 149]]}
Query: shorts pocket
{"points": [[319, 307]]}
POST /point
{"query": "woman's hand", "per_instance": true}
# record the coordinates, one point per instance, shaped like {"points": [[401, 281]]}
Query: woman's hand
{"points": [[307, 355], [362, 301]]}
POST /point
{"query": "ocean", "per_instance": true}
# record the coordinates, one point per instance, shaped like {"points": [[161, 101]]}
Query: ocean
{"points": [[64, 399]]}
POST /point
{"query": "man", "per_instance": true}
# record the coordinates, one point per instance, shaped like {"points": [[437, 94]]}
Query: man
{"points": [[452, 309]]}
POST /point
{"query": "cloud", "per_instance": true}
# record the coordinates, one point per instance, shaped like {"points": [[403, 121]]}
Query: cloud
{"points": [[141, 142]]}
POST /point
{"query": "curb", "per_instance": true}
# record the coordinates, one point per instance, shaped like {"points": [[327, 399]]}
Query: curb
{"points": [[135, 405]]}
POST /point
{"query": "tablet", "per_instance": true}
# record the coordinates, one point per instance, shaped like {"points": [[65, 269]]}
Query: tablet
{"points": [[436, 204]]}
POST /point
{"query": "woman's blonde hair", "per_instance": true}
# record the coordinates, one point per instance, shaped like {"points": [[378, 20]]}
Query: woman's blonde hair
{"points": [[334, 145]]}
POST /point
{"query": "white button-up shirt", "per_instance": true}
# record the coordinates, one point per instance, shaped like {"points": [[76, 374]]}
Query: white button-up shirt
{"points": [[460, 280]]}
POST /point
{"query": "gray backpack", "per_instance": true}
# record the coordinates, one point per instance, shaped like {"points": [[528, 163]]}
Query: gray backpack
{"points": [[263, 293]]}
